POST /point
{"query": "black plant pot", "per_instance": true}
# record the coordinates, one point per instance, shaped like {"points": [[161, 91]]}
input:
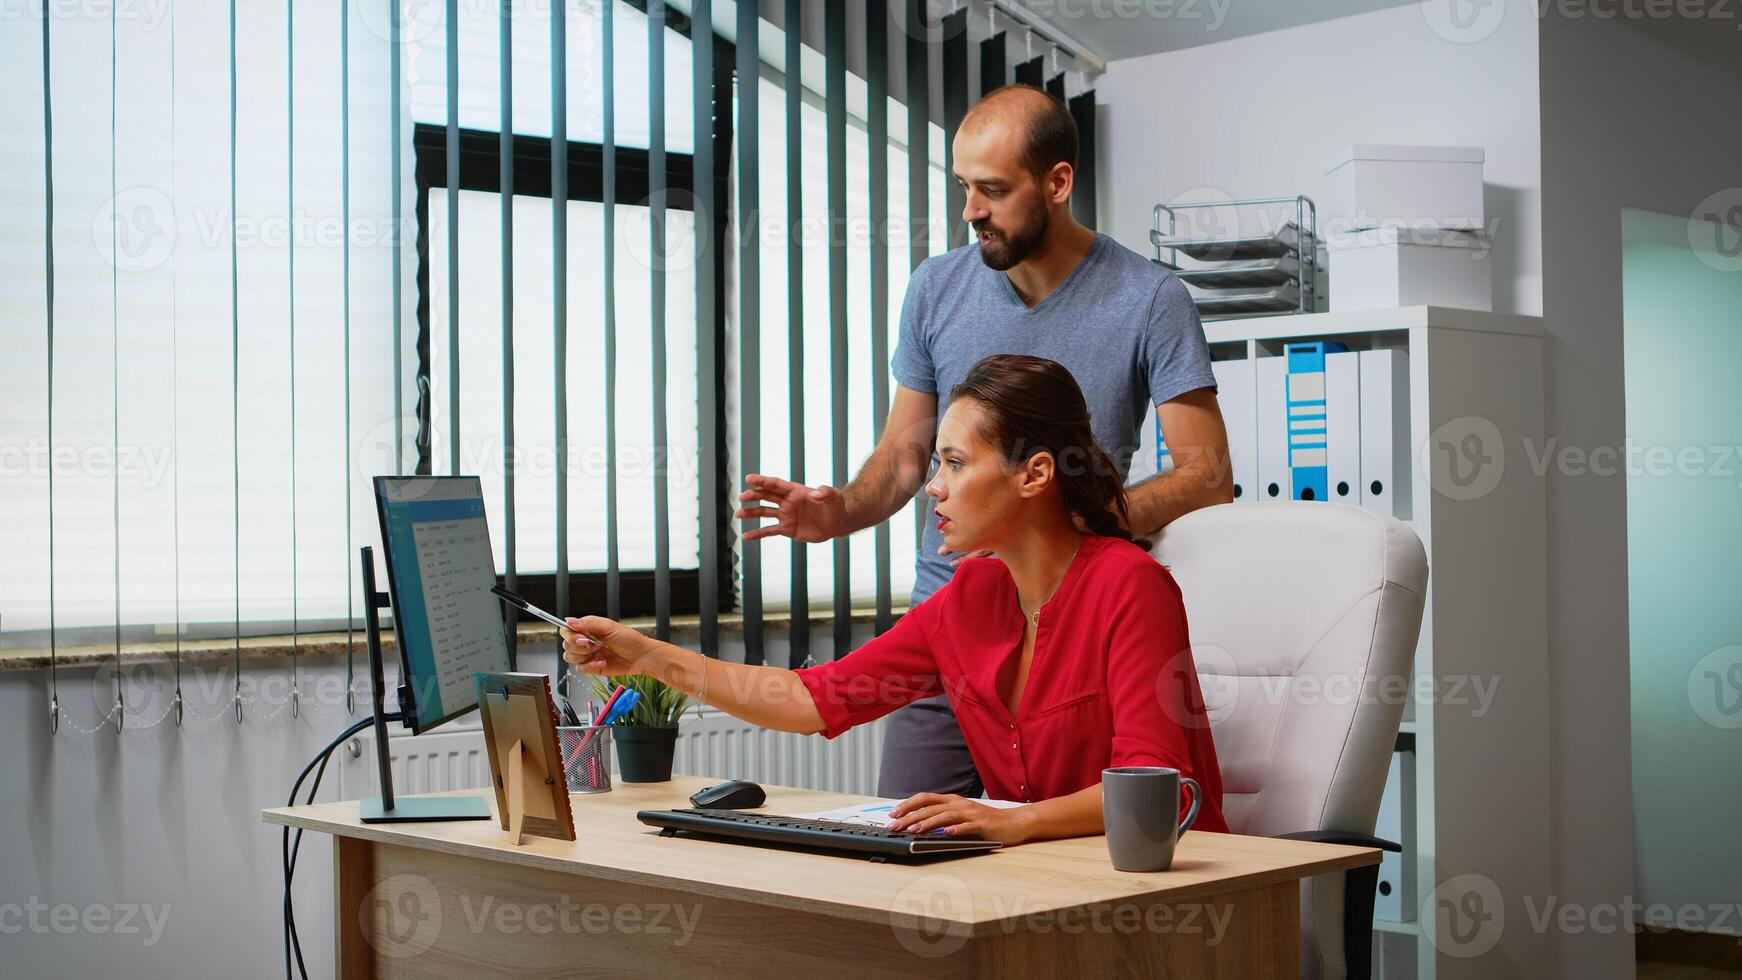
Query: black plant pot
{"points": [[644, 753]]}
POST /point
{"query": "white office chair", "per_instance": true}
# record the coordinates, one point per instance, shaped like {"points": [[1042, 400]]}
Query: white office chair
{"points": [[1303, 619]]}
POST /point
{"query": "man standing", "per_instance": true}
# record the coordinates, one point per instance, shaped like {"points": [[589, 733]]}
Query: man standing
{"points": [[1034, 282]]}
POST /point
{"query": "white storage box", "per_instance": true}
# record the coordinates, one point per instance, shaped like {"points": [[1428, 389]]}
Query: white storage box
{"points": [[1413, 186], [1390, 267]]}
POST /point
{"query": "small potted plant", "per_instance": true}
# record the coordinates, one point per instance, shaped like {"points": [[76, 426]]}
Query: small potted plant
{"points": [[646, 737]]}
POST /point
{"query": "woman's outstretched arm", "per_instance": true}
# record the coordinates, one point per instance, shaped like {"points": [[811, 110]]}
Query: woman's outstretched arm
{"points": [[889, 671], [769, 697]]}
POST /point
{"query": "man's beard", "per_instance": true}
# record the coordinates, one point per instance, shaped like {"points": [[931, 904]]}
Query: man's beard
{"points": [[1002, 253]]}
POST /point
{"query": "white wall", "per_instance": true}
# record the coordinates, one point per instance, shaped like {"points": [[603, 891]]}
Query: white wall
{"points": [[1581, 117], [163, 817], [1266, 116], [1628, 121], [170, 818]]}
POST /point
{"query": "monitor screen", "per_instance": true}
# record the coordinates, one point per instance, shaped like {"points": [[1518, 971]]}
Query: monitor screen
{"points": [[439, 573]]}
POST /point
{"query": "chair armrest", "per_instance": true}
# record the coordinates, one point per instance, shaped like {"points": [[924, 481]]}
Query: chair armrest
{"points": [[1343, 837], [1358, 886]]}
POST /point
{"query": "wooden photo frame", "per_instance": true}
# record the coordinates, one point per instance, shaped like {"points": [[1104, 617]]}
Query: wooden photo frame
{"points": [[525, 764]]}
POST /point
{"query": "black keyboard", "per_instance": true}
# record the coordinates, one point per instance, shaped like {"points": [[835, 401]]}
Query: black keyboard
{"points": [[862, 840]]}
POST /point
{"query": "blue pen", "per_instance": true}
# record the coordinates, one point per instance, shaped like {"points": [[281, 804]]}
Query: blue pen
{"points": [[625, 703]]}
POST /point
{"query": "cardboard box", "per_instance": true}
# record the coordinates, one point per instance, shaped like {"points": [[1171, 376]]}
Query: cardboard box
{"points": [[1422, 187], [1391, 267]]}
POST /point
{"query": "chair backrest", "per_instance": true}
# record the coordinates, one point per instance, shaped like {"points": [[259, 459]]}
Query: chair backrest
{"points": [[1303, 619]]}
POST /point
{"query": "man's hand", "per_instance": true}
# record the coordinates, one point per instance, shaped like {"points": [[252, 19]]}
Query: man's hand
{"points": [[962, 556], [809, 514], [887, 481], [958, 815], [1192, 425]]}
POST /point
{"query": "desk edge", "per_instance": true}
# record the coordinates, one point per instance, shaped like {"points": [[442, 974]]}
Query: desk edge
{"points": [[1354, 857]]}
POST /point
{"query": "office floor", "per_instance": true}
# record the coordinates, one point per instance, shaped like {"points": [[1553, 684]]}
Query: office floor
{"points": [[1681, 971], [1674, 955]]}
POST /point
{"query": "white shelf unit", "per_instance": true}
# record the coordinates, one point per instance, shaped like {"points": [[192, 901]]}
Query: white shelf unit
{"points": [[1481, 766]]}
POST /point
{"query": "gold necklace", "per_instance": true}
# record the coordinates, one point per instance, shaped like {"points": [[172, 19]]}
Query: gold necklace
{"points": [[1034, 617]]}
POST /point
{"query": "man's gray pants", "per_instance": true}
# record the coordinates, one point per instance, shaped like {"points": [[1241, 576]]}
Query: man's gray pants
{"points": [[924, 752]]}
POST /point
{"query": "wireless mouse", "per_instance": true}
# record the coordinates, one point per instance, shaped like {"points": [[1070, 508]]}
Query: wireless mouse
{"points": [[737, 794]]}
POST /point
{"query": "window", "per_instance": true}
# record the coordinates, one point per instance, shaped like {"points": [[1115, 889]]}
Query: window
{"points": [[151, 526], [779, 232], [481, 345], [481, 348], [211, 449]]}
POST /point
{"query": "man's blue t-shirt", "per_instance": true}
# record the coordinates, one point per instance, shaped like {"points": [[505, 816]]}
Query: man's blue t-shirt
{"points": [[1122, 325]]}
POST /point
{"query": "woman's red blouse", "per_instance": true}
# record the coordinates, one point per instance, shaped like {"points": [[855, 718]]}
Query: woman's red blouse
{"points": [[1112, 681]]}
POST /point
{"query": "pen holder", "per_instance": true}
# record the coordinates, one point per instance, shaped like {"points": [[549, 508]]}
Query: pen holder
{"points": [[586, 752]]}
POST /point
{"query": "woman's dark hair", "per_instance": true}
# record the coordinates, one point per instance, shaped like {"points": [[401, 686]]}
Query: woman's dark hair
{"points": [[1033, 405]]}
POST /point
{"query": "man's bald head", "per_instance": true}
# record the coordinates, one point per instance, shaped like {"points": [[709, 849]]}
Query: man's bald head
{"points": [[1049, 134]]}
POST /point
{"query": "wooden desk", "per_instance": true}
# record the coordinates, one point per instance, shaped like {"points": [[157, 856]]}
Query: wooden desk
{"points": [[455, 900]]}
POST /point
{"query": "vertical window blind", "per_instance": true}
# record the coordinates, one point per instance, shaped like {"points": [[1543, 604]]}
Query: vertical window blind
{"points": [[608, 256]]}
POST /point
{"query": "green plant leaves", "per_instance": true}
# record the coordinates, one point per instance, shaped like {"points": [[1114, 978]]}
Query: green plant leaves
{"points": [[661, 705]]}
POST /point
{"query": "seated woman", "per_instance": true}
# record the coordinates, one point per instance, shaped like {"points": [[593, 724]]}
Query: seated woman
{"points": [[1064, 655]]}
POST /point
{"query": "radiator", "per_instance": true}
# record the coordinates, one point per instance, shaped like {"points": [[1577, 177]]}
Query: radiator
{"points": [[710, 744], [716, 744], [452, 758]]}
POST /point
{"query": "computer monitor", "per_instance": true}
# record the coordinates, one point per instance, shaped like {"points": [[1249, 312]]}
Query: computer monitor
{"points": [[440, 571]]}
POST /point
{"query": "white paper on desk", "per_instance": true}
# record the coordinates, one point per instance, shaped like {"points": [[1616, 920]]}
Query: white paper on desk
{"points": [[876, 812]]}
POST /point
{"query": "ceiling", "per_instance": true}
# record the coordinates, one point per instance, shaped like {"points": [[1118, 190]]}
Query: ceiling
{"points": [[1117, 29]]}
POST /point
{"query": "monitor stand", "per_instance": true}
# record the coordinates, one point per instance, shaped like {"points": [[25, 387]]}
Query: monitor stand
{"points": [[424, 809], [386, 808]]}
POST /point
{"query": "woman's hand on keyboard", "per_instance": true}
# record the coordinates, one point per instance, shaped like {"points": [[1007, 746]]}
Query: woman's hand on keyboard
{"points": [[959, 816]]}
